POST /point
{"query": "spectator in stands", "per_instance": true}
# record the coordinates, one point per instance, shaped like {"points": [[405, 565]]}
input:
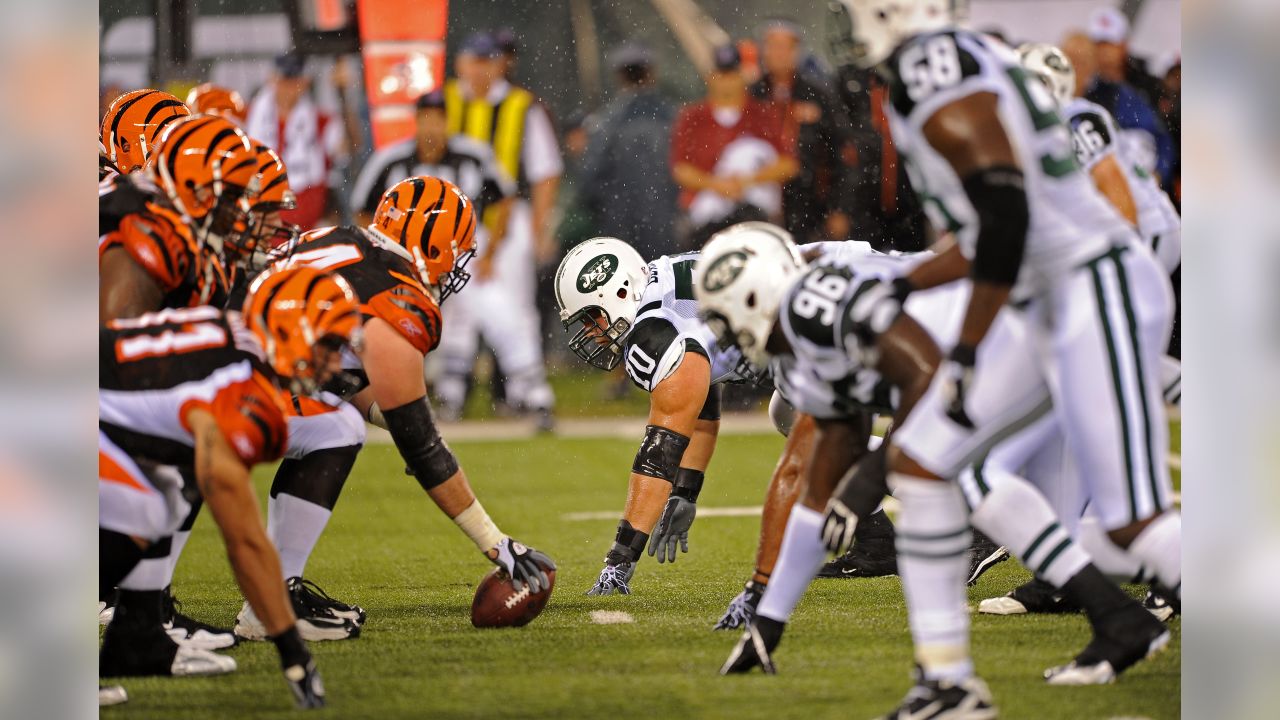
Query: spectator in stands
{"points": [[285, 118], [727, 153], [816, 132], [626, 179]]}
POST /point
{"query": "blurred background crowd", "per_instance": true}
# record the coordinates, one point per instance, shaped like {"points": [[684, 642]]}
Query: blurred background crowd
{"points": [[655, 122]]}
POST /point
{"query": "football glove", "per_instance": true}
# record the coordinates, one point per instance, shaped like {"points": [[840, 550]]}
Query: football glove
{"points": [[957, 378], [838, 526], [522, 563], [742, 609], [673, 526]]}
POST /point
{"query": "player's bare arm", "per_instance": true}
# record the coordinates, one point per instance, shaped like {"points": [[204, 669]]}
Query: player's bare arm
{"points": [[228, 492], [1109, 178], [125, 289]]}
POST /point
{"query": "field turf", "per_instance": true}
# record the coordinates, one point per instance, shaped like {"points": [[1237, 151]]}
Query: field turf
{"points": [[846, 654]]}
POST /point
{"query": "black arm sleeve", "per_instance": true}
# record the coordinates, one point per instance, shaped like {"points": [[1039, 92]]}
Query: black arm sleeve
{"points": [[998, 196], [424, 451]]}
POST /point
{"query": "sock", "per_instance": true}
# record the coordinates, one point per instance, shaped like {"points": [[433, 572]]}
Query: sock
{"points": [[799, 560], [118, 554], [1091, 590], [294, 526], [141, 607], [1014, 514], [933, 559], [628, 543], [1159, 548], [1110, 558]]}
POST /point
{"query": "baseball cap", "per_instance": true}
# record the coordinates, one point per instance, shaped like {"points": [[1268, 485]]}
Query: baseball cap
{"points": [[481, 44], [290, 64], [433, 99], [631, 54], [726, 58], [1108, 25], [505, 39]]}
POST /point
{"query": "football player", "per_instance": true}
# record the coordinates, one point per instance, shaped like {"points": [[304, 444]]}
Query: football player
{"points": [[165, 254], [199, 387], [411, 258], [132, 127], [757, 293]]}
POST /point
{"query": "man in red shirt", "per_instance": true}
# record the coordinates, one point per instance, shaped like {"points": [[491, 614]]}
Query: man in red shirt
{"points": [[728, 154]]}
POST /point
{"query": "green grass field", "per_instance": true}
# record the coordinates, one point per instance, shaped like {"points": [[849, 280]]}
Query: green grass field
{"points": [[846, 654]]}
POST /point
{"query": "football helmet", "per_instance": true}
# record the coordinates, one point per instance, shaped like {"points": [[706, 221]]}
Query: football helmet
{"points": [[134, 123], [265, 229], [598, 287], [432, 224], [208, 170], [866, 32], [213, 99], [1052, 67], [303, 317], [742, 274]]}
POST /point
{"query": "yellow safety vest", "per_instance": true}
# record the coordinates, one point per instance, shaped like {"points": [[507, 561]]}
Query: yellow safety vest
{"points": [[499, 125]]}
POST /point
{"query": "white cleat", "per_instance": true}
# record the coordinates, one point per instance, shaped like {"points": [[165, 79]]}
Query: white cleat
{"points": [[105, 613], [193, 661], [201, 639], [111, 695], [1003, 605], [312, 629]]}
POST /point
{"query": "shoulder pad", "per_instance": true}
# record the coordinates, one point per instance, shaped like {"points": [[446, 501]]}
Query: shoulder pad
{"points": [[252, 417], [411, 312], [158, 241], [652, 352], [925, 65]]}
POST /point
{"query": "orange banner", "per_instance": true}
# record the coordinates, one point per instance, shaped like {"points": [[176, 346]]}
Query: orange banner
{"points": [[402, 43]]}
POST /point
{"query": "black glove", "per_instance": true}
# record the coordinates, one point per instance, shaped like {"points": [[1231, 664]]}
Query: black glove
{"points": [[522, 563], [677, 518], [299, 670], [957, 376]]}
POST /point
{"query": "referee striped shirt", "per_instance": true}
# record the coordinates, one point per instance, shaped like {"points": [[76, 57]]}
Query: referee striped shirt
{"points": [[466, 163]]}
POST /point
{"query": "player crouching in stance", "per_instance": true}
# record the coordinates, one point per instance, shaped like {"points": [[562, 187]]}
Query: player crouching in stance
{"points": [[618, 308], [199, 387], [401, 267]]}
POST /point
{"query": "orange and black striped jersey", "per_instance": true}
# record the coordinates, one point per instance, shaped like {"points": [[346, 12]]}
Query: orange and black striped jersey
{"points": [[155, 369], [159, 241], [386, 284]]}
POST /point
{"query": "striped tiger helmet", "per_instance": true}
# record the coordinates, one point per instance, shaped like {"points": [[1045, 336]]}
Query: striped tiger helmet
{"points": [[209, 171], [213, 99], [303, 317], [134, 123], [430, 223], [265, 229]]}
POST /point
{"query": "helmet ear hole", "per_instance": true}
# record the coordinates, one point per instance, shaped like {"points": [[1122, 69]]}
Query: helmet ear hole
{"points": [[622, 293], [751, 300], [433, 252]]}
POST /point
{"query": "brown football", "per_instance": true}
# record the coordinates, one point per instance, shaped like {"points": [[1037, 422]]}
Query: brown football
{"points": [[499, 604]]}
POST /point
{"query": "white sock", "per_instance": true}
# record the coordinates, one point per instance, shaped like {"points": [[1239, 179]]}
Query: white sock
{"points": [[295, 525], [1017, 516], [933, 559], [148, 574], [1159, 547], [799, 560], [1113, 560]]}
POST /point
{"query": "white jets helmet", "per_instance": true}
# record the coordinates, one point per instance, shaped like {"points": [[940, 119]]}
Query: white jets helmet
{"points": [[742, 274], [1052, 67], [598, 288], [866, 32]]}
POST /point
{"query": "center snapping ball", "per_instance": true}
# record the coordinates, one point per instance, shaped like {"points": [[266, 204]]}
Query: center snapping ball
{"points": [[499, 604]]}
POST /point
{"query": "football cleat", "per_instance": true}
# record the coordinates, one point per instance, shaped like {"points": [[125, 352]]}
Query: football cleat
{"points": [[983, 555], [1033, 596], [1121, 639], [1156, 604], [614, 578], [320, 617], [306, 594], [755, 648], [111, 695], [147, 650], [105, 612], [866, 559], [187, 630], [742, 609], [968, 699]]}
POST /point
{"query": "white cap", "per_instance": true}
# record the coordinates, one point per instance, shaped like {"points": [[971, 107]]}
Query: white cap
{"points": [[1108, 25]]}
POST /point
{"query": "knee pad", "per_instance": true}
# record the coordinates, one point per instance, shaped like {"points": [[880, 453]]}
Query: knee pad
{"points": [[660, 452], [781, 413], [425, 453], [711, 408]]}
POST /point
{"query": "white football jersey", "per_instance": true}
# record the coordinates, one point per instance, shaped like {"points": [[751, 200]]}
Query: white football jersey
{"points": [[1070, 223], [667, 327], [1096, 136], [824, 375]]}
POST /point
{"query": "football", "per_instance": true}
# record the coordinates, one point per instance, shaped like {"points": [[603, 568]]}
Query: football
{"points": [[498, 604]]}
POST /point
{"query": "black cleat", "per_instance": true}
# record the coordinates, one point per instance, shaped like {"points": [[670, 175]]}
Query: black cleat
{"points": [[1121, 639], [320, 617], [872, 554], [968, 699], [983, 555], [755, 648], [1157, 603], [1033, 596], [138, 646], [188, 631]]}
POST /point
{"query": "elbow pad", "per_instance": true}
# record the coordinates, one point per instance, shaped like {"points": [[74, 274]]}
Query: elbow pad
{"points": [[998, 197], [660, 452], [413, 429]]}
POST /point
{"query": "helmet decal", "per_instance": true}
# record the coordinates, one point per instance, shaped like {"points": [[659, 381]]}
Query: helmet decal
{"points": [[598, 272], [724, 270]]}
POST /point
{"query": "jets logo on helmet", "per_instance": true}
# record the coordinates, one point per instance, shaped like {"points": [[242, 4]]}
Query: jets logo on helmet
{"points": [[597, 273], [1051, 67], [724, 270]]}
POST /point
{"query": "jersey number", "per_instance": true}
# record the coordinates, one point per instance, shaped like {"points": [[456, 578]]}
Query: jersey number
{"points": [[1044, 116], [818, 296], [192, 337], [929, 67], [640, 364], [326, 258], [1088, 141]]}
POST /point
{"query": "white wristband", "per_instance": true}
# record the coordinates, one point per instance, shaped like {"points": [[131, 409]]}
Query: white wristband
{"points": [[475, 522]]}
